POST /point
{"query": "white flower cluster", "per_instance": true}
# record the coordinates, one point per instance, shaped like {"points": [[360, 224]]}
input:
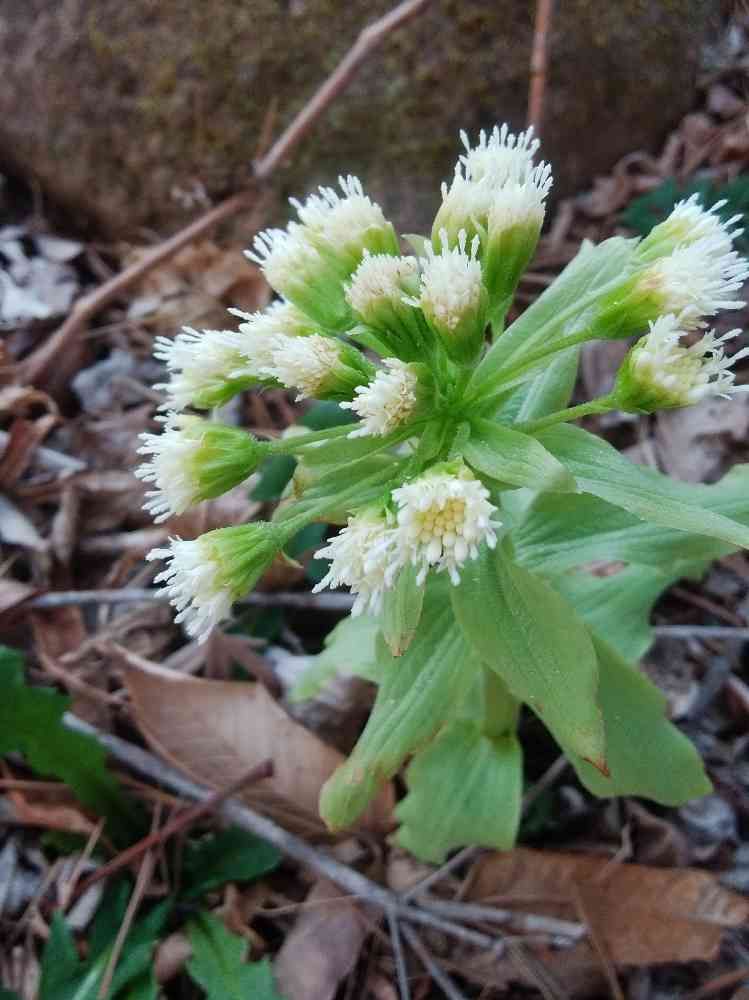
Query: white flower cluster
{"points": [[386, 402], [451, 283], [196, 586], [675, 374], [441, 519], [172, 466]]}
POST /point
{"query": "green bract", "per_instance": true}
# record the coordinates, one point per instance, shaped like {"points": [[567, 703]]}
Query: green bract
{"points": [[468, 505]]}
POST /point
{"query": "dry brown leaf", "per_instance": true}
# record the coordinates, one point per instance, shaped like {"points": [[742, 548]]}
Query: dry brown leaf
{"points": [[13, 593], [55, 810], [217, 730], [323, 946], [698, 443], [23, 438], [643, 915]]}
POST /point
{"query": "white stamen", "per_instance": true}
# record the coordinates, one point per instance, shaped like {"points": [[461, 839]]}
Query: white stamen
{"points": [[172, 466], [198, 362], [194, 582], [387, 401], [303, 363], [450, 282], [379, 278], [500, 156], [365, 557], [340, 220], [442, 520]]}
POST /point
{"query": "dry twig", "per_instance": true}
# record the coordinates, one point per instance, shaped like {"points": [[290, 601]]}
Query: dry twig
{"points": [[440, 977], [539, 60]]}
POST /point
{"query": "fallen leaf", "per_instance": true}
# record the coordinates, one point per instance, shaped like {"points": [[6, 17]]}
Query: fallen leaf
{"points": [[22, 441], [643, 915], [13, 593], [323, 945], [217, 730], [17, 529], [698, 443]]}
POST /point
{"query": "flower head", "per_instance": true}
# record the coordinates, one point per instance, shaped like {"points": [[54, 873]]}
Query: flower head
{"points": [[452, 295], [346, 226], [365, 557], [443, 517], [205, 576], [499, 156], [386, 402], [296, 269], [381, 294], [193, 460], [689, 223], [259, 332], [696, 280], [317, 366], [201, 366], [661, 372]]}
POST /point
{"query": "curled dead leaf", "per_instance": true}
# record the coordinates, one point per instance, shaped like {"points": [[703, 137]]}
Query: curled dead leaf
{"points": [[217, 730], [643, 915], [323, 946]]}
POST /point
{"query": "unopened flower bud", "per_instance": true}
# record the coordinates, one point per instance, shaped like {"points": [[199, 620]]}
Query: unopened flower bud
{"points": [[381, 294], [388, 401], [660, 372], [194, 460], [201, 368], [322, 367]]}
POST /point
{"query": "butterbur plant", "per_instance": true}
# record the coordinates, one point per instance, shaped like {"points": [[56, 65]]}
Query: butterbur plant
{"points": [[468, 507]]}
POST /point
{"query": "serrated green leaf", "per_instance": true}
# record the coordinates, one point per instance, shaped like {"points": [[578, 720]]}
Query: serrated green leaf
{"points": [[646, 754], [617, 606], [463, 788], [31, 724], [218, 964], [350, 648], [231, 855], [417, 692], [532, 637], [401, 611], [506, 456], [601, 470]]}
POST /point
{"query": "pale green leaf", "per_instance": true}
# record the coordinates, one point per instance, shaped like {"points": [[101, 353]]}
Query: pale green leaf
{"points": [[401, 611], [601, 470], [350, 648], [417, 692], [561, 308], [463, 788], [552, 389], [558, 532], [617, 606], [218, 964], [646, 754], [537, 644], [507, 456]]}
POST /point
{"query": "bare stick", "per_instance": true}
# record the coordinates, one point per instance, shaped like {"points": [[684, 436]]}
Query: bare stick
{"points": [[527, 923], [440, 977], [318, 861], [134, 595], [141, 884], [539, 52], [86, 307], [369, 39], [401, 971], [701, 632], [176, 824]]}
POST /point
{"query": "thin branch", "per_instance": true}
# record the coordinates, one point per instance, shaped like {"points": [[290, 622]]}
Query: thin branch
{"points": [[369, 39], [539, 53], [701, 632], [141, 884], [401, 971], [440, 977], [86, 307], [527, 923], [134, 595], [176, 824], [245, 818]]}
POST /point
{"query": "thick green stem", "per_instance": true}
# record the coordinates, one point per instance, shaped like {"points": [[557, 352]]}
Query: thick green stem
{"points": [[601, 405]]}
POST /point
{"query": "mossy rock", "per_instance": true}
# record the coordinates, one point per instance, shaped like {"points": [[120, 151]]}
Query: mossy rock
{"points": [[127, 113]]}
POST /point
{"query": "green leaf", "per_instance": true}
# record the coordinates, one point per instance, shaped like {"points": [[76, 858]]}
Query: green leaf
{"points": [[552, 389], [417, 692], [601, 470], [324, 414], [60, 961], [561, 307], [218, 964], [531, 636], [463, 788], [350, 648], [401, 611], [8, 995], [646, 754], [229, 856], [617, 606], [275, 474], [507, 456], [31, 724], [144, 987], [557, 532]]}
